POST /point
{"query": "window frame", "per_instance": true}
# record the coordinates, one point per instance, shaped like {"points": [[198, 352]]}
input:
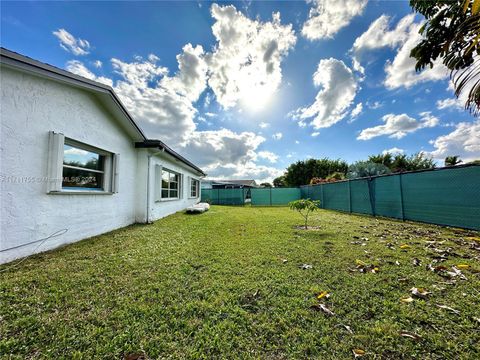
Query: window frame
{"points": [[110, 170], [197, 182], [106, 165], [169, 189]]}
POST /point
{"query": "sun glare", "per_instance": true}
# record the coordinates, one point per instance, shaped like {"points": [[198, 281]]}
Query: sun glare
{"points": [[256, 98]]}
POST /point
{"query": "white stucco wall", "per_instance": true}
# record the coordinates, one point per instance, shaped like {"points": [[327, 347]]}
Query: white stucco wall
{"points": [[162, 208], [31, 107]]}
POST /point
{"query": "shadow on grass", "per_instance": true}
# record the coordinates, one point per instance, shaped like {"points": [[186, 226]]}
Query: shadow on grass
{"points": [[315, 234]]}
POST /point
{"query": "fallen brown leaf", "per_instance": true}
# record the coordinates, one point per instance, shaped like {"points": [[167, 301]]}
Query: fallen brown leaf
{"points": [[358, 352]]}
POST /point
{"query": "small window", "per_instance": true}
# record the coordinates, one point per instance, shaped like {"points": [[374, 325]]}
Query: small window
{"points": [[170, 184], [194, 185]]}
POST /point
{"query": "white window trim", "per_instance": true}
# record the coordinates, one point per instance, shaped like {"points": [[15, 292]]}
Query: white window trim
{"points": [[179, 188], [55, 167], [191, 179]]}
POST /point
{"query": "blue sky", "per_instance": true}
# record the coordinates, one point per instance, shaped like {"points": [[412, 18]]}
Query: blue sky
{"points": [[245, 88]]}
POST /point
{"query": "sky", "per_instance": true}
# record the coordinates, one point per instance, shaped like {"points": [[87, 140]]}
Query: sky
{"points": [[243, 89]]}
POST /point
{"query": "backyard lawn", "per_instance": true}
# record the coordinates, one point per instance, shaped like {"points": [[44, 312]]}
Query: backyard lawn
{"points": [[244, 282]]}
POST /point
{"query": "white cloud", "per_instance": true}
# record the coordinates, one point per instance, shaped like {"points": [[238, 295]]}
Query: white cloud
{"points": [[210, 114], [227, 154], [71, 44], [263, 125], [379, 34], [75, 151], [374, 105], [268, 155], [244, 66], [400, 72], [357, 110], [338, 88], [315, 133], [393, 151], [191, 78], [216, 148], [454, 102], [78, 68], [450, 103], [398, 126], [464, 142], [327, 17], [139, 73], [208, 99], [297, 142], [163, 104], [98, 64], [277, 136], [249, 170], [248, 53]]}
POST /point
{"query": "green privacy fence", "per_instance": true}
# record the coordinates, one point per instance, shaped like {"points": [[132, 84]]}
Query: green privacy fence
{"points": [[445, 196], [274, 196], [224, 196]]}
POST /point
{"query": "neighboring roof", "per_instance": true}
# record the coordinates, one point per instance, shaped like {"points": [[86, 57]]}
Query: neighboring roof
{"points": [[15, 60], [157, 144], [238, 182]]}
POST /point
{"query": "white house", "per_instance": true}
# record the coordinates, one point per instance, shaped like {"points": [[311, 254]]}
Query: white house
{"points": [[74, 163]]}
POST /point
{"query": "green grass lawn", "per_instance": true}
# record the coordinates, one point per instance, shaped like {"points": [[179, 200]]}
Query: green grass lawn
{"points": [[228, 284]]}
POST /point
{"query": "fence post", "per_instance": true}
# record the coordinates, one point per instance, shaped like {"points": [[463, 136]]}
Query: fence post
{"points": [[401, 196], [321, 195], [371, 194], [349, 196]]}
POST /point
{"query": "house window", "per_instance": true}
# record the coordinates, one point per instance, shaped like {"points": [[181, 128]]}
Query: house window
{"points": [[194, 185], [78, 168], [82, 169], [170, 184]]}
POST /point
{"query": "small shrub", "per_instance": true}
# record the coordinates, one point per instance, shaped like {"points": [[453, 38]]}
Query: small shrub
{"points": [[304, 207]]}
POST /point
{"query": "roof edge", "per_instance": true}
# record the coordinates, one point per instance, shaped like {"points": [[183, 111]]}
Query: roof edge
{"points": [[158, 144], [19, 61], [22, 62]]}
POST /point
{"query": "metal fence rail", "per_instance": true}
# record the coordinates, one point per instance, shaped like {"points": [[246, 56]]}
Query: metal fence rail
{"points": [[445, 196]]}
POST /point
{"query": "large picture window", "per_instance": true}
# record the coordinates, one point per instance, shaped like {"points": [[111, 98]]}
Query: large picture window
{"points": [[194, 186], [82, 169], [170, 184]]}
